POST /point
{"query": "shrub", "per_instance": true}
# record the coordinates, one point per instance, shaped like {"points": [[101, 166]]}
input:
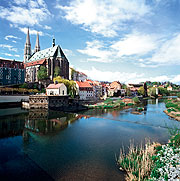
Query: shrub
{"points": [[136, 99]]}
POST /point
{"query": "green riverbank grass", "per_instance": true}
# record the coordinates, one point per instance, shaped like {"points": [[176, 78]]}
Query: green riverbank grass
{"points": [[154, 162]]}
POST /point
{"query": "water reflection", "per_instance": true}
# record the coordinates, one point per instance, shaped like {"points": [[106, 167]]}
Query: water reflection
{"points": [[41, 122]]}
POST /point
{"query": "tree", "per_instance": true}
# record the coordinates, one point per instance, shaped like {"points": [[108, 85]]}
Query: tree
{"points": [[57, 71], [72, 73], [71, 85], [42, 73], [141, 91]]}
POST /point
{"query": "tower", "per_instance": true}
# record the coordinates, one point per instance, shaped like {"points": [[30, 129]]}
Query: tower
{"points": [[37, 46], [27, 49]]}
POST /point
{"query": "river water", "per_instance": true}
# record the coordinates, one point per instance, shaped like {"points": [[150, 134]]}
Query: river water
{"points": [[51, 145]]}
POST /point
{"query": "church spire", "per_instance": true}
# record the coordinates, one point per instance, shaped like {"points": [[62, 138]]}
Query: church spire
{"points": [[37, 46], [27, 49]]}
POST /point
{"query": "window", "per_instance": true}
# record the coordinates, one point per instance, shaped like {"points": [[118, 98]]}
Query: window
{"points": [[63, 92]]}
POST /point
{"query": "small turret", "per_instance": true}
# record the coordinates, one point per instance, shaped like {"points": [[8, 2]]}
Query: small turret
{"points": [[53, 44]]}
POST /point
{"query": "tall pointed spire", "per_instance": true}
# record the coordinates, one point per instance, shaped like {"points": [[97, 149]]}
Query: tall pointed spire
{"points": [[37, 46], [27, 49]]}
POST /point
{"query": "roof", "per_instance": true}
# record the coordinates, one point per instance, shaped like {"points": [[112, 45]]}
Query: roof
{"points": [[39, 62], [83, 84], [54, 86], [46, 53]]}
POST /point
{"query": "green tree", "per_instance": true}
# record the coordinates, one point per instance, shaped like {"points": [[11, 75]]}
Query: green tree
{"points": [[141, 91], [42, 73], [163, 91], [72, 73], [71, 85], [128, 92], [57, 71]]}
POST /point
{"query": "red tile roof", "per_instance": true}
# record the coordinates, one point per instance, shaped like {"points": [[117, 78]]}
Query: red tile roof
{"points": [[83, 84], [38, 62], [54, 86]]}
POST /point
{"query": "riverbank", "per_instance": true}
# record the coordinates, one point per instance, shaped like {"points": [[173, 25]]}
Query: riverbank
{"points": [[117, 103], [153, 162], [173, 108]]}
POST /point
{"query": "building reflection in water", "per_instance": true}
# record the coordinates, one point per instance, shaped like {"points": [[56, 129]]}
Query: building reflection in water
{"points": [[41, 122], [44, 122]]}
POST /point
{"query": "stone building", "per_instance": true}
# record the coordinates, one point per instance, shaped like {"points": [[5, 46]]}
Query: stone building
{"points": [[11, 72], [50, 58]]}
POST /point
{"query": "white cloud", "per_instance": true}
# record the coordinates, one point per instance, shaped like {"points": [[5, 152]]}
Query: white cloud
{"points": [[97, 51], [31, 31], [104, 17], [100, 75], [47, 27], [17, 55], [8, 54], [10, 47], [20, 2], [126, 77], [168, 53], [135, 44], [14, 41], [68, 52], [29, 13], [11, 37]]}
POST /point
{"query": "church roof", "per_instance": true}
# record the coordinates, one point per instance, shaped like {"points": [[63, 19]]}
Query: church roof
{"points": [[46, 53], [39, 62]]}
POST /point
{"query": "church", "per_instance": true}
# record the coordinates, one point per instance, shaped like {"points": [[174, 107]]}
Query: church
{"points": [[50, 58]]}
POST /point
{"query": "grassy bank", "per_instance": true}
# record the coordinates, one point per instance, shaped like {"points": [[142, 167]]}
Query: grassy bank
{"points": [[152, 162], [173, 108], [110, 103]]}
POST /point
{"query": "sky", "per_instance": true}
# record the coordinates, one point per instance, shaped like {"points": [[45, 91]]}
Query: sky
{"points": [[119, 40]]}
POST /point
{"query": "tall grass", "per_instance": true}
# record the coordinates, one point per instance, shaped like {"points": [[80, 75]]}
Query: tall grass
{"points": [[138, 161]]}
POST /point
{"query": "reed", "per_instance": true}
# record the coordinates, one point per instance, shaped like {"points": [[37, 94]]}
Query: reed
{"points": [[138, 161]]}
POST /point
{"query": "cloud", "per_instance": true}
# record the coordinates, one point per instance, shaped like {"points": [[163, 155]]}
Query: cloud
{"points": [[168, 53], [104, 17], [135, 44], [31, 31], [26, 12], [10, 47], [11, 37], [8, 54], [98, 51], [47, 27], [68, 52], [20, 2], [125, 77]]}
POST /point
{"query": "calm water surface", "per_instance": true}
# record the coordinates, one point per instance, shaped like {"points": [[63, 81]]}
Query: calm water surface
{"points": [[62, 146]]}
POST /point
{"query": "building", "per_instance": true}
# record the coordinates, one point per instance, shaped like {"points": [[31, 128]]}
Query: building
{"points": [[11, 72], [51, 58], [169, 88], [76, 75], [114, 89], [84, 90], [56, 89]]}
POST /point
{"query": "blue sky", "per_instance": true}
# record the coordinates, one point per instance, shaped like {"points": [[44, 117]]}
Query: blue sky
{"points": [[125, 40]]}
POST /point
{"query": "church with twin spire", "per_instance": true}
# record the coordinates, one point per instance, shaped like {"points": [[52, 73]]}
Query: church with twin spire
{"points": [[50, 58]]}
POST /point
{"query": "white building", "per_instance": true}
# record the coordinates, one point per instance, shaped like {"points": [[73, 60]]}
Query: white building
{"points": [[56, 89], [84, 90]]}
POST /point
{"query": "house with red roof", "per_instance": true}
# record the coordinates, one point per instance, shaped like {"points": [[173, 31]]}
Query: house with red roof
{"points": [[56, 89], [84, 90]]}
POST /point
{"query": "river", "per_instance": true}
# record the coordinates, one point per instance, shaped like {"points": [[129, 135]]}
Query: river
{"points": [[53, 145]]}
